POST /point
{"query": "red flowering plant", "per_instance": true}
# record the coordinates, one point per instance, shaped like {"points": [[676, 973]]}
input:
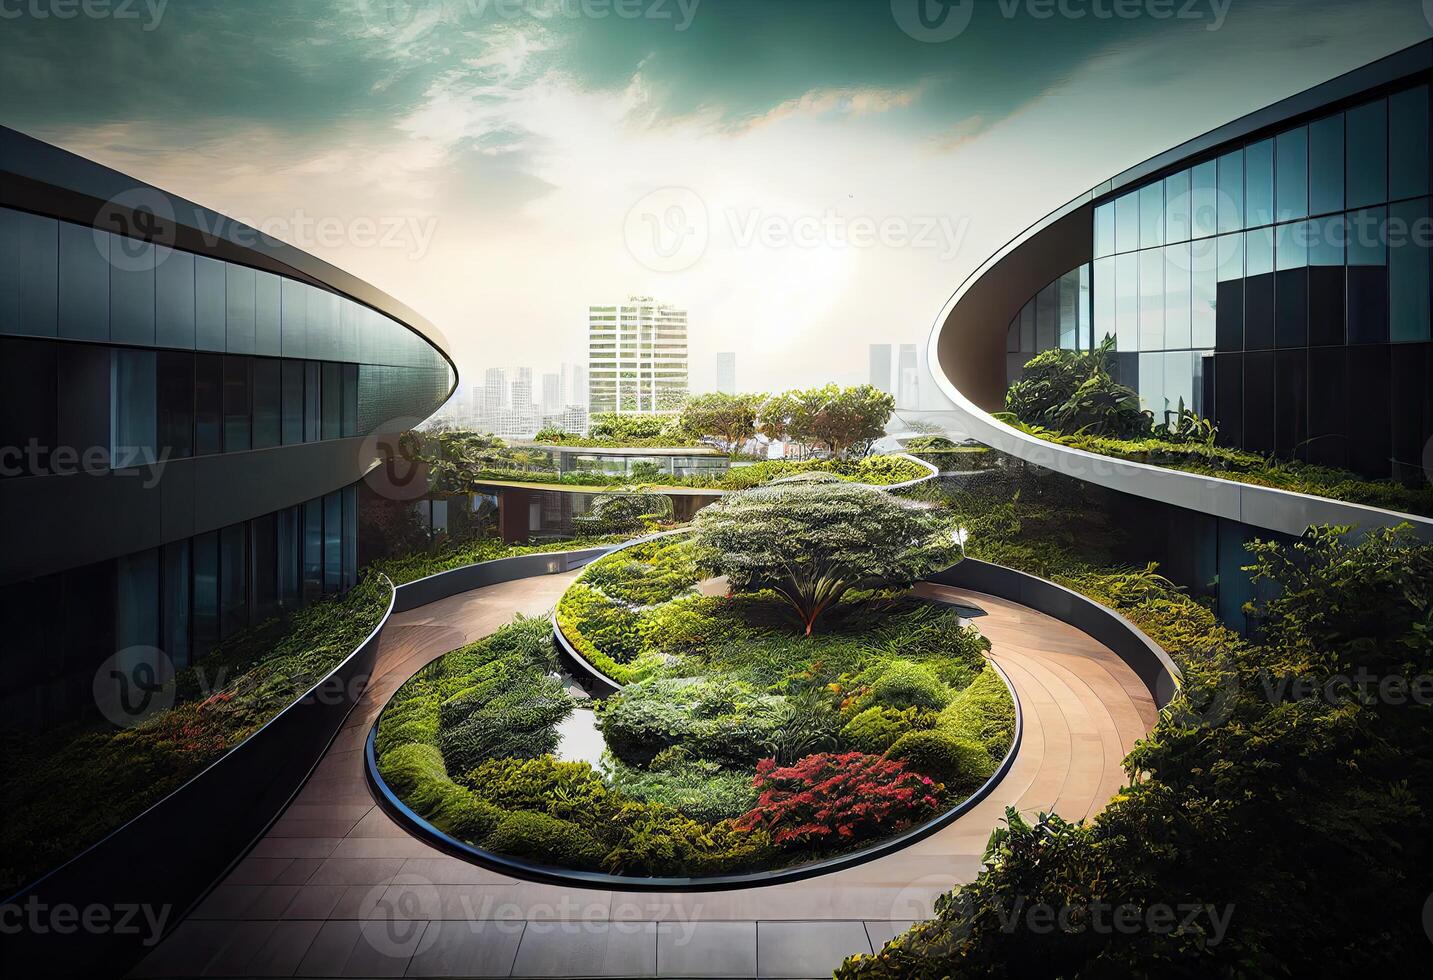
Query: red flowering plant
{"points": [[832, 798]]}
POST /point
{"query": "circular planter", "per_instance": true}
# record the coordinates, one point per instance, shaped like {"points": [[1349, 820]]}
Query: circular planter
{"points": [[532, 871]]}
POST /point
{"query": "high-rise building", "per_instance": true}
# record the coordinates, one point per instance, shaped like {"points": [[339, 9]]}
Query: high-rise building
{"points": [[726, 372], [494, 392], [552, 394], [881, 367], [575, 384], [636, 357], [908, 378]]}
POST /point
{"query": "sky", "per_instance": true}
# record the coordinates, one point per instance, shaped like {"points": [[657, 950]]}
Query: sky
{"points": [[804, 177]]}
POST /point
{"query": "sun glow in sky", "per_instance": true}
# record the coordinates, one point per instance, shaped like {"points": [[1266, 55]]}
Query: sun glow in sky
{"points": [[806, 178]]}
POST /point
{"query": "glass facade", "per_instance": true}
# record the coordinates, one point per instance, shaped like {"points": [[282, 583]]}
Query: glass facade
{"points": [[181, 598], [1280, 287]]}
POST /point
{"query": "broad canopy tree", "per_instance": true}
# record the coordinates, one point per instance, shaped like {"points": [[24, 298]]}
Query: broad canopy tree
{"points": [[731, 418], [812, 542]]}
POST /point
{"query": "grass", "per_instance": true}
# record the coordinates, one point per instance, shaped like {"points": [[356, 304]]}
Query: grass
{"points": [[876, 470]]}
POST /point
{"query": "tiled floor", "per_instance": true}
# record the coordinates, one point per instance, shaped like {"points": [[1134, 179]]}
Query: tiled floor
{"points": [[337, 889]]}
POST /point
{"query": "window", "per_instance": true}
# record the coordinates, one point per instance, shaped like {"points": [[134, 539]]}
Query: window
{"points": [[1127, 302], [1291, 285], [1231, 192], [1127, 222], [174, 299], [1326, 281], [332, 401], [293, 316], [267, 319], [332, 541], [1177, 265], [1367, 305], [292, 402], [132, 414], [1366, 136], [233, 592], [1290, 402], [131, 292], [236, 404], [210, 307], [1408, 270], [1259, 184], [1259, 401], [208, 404], [1177, 226], [350, 400], [1151, 301], [1291, 177], [1203, 291], [239, 303], [1326, 165], [174, 603], [263, 566], [1105, 229], [313, 402], [29, 249], [29, 404], [268, 398], [1046, 317], [1229, 303], [313, 549], [1104, 298], [1328, 408], [350, 536], [1408, 143], [1204, 199], [136, 608], [1151, 215], [84, 282], [287, 540], [1258, 291], [206, 592]]}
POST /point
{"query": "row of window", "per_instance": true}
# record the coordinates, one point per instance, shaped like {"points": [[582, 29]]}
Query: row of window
{"points": [[141, 405], [64, 280], [1371, 154], [182, 599]]}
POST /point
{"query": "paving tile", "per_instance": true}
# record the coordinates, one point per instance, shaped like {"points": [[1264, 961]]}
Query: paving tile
{"points": [[295, 847], [458, 948], [187, 951], [244, 939], [258, 871], [602, 949], [807, 949], [328, 952], [706, 949], [384, 947], [229, 901], [283, 949], [313, 902], [356, 871]]}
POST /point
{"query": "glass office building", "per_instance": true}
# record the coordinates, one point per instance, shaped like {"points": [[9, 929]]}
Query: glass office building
{"points": [[1277, 283], [184, 418]]}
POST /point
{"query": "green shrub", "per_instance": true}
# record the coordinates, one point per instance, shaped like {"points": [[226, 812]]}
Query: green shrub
{"points": [[645, 574], [463, 815], [984, 712], [961, 765], [545, 840], [698, 788], [654, 840], [905, 684], [520, 723], [567, 790], [876, 728], [416, 773], [719, 718]]}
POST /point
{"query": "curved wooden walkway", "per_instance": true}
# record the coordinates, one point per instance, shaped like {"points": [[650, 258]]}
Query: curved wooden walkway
{"points": [[337, 889]]}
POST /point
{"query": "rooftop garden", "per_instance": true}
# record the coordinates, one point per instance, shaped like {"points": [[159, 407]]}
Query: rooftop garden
{"points": [[802, 705], [1272, 824], [1070, 398]]}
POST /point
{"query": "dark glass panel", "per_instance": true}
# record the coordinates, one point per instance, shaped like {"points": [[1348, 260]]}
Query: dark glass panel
{"points": [[29, 266], [131, 296], [233, 581], [1229, 398], [206, 593], [1259, 183], [1177, 199], [1368, 408], [132, 408], [1259, 312], [28, 405], [332, 541], [84, 282], [1366, 140], [313, 401], [332, 401], [263, 566], [175, 409], [1328, 407], [208, 404], [1326, 165], [350, 400], [1367, 304], [1151, 215], [174, 299], [1291, 308], [1291, 404], [210, 306], [83, 383], [239, 306], [1204, 199], [236, 403], [174, 603], [292, 402], [350, 537], [288, 523], [1259, 401], [1408, 270], [1291, 176], [268, 397], [313, 549], [267, 332], [1408, 143], [1326, 299], [1231, 192], [136, 606], [1408, 387]]}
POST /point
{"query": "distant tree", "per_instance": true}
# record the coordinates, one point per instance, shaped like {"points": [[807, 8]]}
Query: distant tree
{"points": [[730, 418], [630, 428], [553, 433], [811, 543], [776, 414], [841, 418]]}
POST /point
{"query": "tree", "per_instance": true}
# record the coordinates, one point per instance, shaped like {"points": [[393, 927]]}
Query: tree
{"points": [[1073, 392], [840, 418], [629, 428], [811, 543], [731, 418], [776, 415]]}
